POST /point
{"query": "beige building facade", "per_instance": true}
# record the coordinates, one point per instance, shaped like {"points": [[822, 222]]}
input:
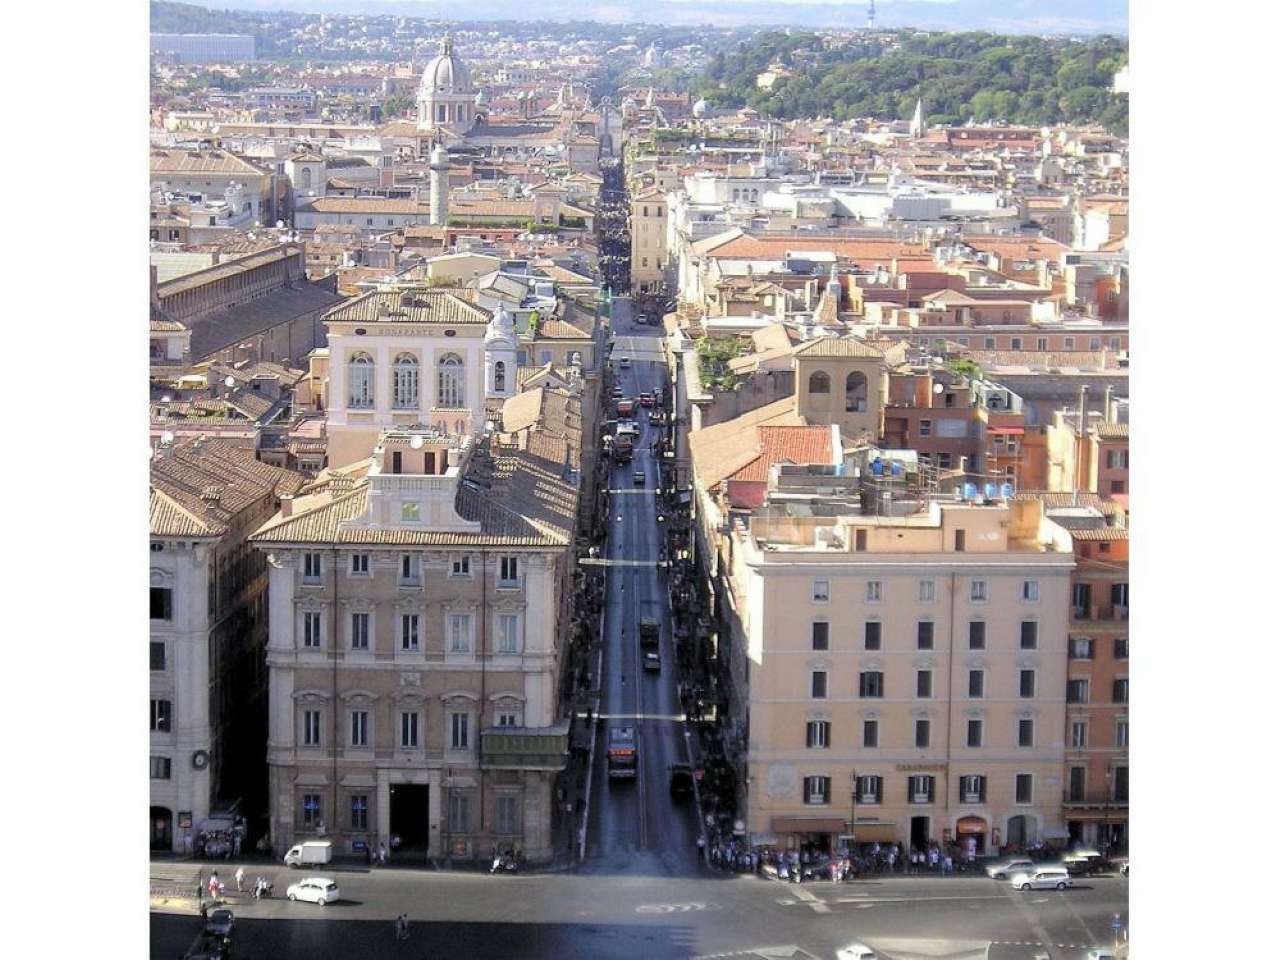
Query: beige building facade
{"points": [[904, 676], [648, 239], [416, 601]]}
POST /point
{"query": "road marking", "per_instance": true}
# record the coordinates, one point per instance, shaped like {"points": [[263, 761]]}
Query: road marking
{"points": [[819, 906], [675, 907], [906, 899]]}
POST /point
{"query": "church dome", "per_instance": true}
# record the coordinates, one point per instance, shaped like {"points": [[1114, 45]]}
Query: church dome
{"points": [[446, 73]]}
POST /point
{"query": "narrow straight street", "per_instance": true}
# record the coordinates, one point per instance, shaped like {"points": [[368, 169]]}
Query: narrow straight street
{"points": [[635, 827]]}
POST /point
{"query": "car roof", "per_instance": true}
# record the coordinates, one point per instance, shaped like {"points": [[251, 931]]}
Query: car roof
{"points": [[315, 880]]}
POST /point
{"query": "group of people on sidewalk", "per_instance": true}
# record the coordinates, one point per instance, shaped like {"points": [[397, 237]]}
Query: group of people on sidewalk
{"points": [[807, 863]]}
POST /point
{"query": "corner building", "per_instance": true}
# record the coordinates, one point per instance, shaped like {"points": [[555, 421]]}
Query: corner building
{"points": [[904, 674]]}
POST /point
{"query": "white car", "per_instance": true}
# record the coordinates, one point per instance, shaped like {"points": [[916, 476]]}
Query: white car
{"points": [[1004, 869], [1100, 953], [314, 890], [1042, 878], [855, 951]]}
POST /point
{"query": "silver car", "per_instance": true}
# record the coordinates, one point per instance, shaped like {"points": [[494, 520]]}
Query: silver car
{"points": [[1042, 878], [1004, 869]]}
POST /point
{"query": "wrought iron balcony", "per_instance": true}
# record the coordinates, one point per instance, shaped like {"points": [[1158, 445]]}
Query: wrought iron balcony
{"points": [[528, 748]]}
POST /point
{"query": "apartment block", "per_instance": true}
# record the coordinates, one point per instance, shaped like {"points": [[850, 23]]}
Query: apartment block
{"points": [[902, 660]]}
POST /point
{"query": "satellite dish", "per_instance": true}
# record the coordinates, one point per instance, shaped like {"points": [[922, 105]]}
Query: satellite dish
{"points": [[416, 442], [166, 437], [938, 388], [229, 381]]}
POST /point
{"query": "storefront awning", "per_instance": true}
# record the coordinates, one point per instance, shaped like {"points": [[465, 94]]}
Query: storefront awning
{"points": [[970, 825], [1005, 431], [875, 832], [806, 825]]}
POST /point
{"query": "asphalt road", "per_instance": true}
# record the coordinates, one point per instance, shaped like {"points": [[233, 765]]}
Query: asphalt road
{"points": [[566, 916], [634, 826]]}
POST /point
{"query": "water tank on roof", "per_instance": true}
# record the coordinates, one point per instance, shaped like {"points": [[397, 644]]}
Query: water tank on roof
{"points": [[877, 467], [989, 490], [970, 491], [1006, 490], [895, 469]]}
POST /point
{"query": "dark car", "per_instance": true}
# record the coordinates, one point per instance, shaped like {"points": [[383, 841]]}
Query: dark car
{"points": [[220, 922], [681, 781]]}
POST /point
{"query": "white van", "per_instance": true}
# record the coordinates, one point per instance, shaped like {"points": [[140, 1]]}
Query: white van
{"points": [[1042, 878], [309, 853]]}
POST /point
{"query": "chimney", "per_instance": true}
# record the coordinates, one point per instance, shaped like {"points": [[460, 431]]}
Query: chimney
{"points": [[286, 504], [1084, 422], [1106, 405]]}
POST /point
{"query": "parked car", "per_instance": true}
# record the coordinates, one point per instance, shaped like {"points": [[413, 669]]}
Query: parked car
{"points": [[1100, 953], [1004, 869], [638, 478], [319, 890], [681, 780], [1084, 862], [616, 393], [855, 951], [1042, 878], [646, 399], [624, 363], [652, 660], [220, 922]]}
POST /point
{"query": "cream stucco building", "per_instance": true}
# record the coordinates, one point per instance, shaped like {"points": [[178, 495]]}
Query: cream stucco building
{"points": [[901, 661]]}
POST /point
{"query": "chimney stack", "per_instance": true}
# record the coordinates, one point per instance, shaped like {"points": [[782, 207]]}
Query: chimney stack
{"points": [[286, 505], [1106, 405]]}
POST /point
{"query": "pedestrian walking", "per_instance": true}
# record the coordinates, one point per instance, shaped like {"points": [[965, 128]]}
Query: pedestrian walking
{"points": [[382, 853], [187, 843], [239, 879]]}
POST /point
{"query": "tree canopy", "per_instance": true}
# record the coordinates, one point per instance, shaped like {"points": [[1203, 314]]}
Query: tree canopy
{"points": [[983, 76]]}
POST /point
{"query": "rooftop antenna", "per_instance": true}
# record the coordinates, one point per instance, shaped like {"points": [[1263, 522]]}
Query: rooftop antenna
{"points": [[871, 14]]}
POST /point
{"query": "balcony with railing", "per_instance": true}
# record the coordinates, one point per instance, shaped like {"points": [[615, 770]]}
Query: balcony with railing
{"points": [[1096, 800], [1099, 613], [525, 748]]}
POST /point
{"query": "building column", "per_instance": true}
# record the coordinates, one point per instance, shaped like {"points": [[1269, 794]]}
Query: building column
{"points": [[435, 842], [382, 811]]}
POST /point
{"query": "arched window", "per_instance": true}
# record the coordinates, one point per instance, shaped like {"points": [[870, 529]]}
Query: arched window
{"points": [[736, 194], [306, 178], [360, 380], [451, 381], [819, 382], [855, 393], [404, 381], [499, 377]]}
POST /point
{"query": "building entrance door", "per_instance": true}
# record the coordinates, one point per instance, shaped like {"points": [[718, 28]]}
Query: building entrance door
{"points": [[919, 833], [161, 828], [409, 815]]}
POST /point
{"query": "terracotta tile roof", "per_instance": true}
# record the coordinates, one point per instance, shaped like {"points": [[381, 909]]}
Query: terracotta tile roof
{"points": [[1111, 431], [559, 330], [1101, 533], [838, 347], [721, 450], [423, 306], [177, 162], [198, 487], [527, 503], [1042, 248], [785, 444]]}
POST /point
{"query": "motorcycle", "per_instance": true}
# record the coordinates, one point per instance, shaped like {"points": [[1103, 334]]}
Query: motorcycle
{"points": [[262, 889], [506, 863]]}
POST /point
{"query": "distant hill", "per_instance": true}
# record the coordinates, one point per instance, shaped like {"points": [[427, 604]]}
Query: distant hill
{"points": [[1043, 17]]}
